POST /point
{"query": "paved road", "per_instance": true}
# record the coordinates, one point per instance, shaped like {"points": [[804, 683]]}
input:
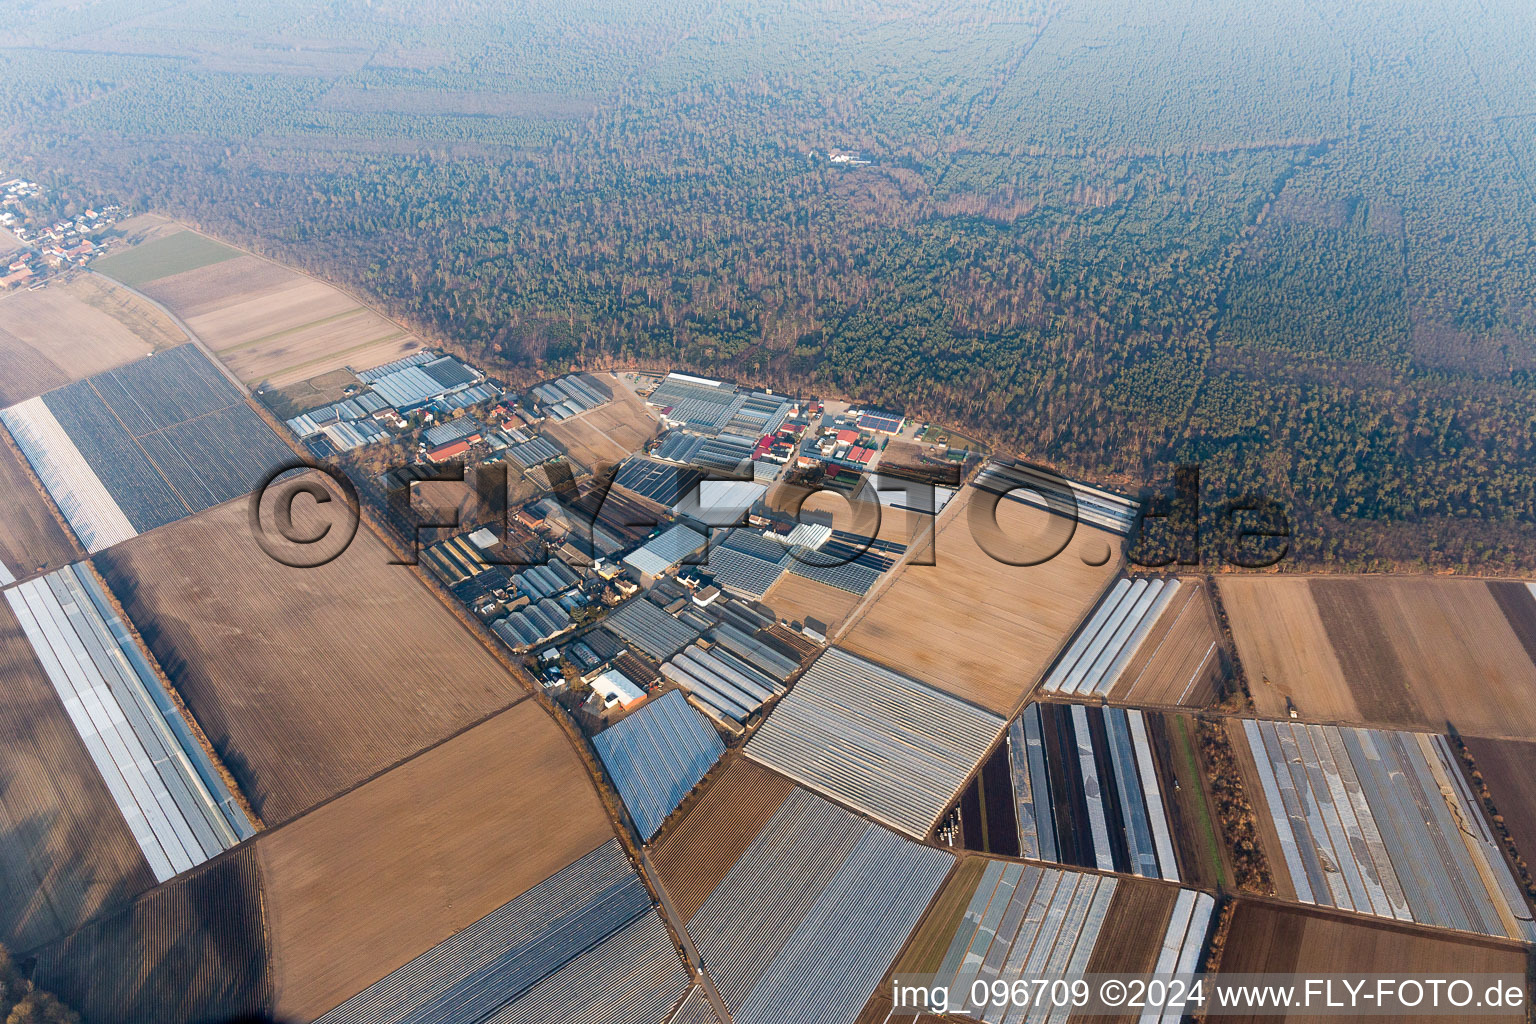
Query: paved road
{"points": [[705, 981]]}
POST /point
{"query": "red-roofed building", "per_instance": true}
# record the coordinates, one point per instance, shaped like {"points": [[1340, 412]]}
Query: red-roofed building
{"points": [[857, 454], [445, 452], [847, 436]]}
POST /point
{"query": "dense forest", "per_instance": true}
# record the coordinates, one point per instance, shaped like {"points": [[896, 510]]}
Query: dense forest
{"points": [[1291, 242]]}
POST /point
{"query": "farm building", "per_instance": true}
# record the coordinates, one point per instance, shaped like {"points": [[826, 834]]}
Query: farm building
{"points": [[810, 917], [351, 410], [1111, 638], [533, 452], [746, 564], [720, 503], [649, 629], [448, 452], [1092, 505], [881, 422], [726, 683], [464, 428], [663, 553], [413, 382], [616, 690], [533, 622], [708, 406], [456, 560], [569, 396], [894, 748], [656, 755], [659, 482]]}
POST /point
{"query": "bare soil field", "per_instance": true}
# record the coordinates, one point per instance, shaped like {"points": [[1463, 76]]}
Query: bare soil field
{"points": [[1265, 938], [71, 330], [976, 627], [378, 876], [306, 680], [191, 949], [584, 443], [146, 227], [795, 597], [1179, 663], [31, 540], [324, 389], [66, 853], [694, 854], [1133, 930], [1508, 768], [1284, 647], [627, 420], [275, 327], [1402, 652]]}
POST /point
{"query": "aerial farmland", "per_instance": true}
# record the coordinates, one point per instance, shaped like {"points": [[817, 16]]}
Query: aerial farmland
{"points": [[710, 714]]}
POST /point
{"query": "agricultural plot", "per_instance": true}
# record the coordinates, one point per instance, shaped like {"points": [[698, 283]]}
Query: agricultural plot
{"points": [[272, 326], [586, 445], [976, 627], [559, 946], [191, 949], [626, 420], [1087, 791], [310, 914], [387, 871], [1506, 769], [809, 919], [162, 257], [1134, 629], [162, 782], [1383, 823], [144, 445], [71, 330], [1265, 938], [31, 540], [694, 855], [1180, 663], [1001, 922], [656, 755], [1402, 652], [894, 748], [797, 599], [66, 853], [256, 647]]}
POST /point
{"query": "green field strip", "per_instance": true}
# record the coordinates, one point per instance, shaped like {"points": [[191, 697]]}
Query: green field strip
{"points": [[343, 315], [174, 254], [1187, 754]]}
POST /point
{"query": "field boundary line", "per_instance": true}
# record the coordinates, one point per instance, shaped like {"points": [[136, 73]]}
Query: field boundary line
{"points": [[345, 314], [192, 335]]}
